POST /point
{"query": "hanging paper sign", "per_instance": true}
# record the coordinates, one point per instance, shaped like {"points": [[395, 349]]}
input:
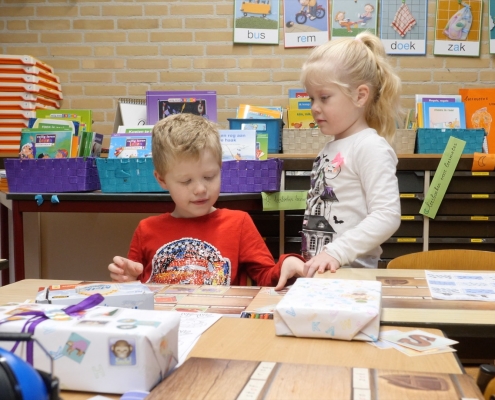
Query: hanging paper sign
{"points": [[458, 28], [305, 23], [403, 26], [352, 17], [256, 21]]}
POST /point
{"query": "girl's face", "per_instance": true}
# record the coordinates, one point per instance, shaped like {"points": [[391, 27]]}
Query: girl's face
{"points": [[335, 113]]}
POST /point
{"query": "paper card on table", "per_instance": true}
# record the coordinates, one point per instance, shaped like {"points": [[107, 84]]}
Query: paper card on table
{"points": [[483, 162], [287, 200], [180, 289], [190, 308], [211, 290], [443, 175], [172, 299], [419, 340]]}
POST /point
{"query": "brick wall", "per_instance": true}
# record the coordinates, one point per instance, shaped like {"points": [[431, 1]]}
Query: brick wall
{"points": [[103, 50]]}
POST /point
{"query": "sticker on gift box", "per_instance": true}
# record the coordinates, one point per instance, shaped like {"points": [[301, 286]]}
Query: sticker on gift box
{"points": [[76, 347], [57, 315], [109, 313], [122, 352], [93, 322]]}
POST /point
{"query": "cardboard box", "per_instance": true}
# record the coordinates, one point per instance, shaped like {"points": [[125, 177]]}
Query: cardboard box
{"points": [[330, 308], [102, 349], [126, 295]]}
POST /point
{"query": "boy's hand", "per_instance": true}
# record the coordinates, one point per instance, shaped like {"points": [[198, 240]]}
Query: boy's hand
{"points": [[124, 270], [321, 262], [291, 267]]}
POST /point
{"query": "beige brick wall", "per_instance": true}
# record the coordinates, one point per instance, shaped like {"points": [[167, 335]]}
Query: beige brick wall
{"points": [[103, 50]]}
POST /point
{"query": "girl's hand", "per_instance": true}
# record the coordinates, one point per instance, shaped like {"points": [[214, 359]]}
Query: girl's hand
{"points": [[124, 270], [321, 262]]}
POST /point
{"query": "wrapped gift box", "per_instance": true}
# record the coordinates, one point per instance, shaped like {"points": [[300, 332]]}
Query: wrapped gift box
{"points": [[330, 308], [101, 349], [127, 295]]}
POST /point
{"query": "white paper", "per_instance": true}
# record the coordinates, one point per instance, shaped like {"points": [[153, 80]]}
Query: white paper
{"points": [[461, 285]]}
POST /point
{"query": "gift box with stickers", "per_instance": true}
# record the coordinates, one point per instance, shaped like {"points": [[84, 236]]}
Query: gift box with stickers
{"points": [[95, 348], [127, 295], [330, 308]]}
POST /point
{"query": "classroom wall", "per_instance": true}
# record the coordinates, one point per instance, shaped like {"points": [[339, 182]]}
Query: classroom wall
{"points": [[103, 50]]}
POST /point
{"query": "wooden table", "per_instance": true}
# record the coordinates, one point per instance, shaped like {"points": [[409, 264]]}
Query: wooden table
{"points": [[92, 202], [406, 302]]}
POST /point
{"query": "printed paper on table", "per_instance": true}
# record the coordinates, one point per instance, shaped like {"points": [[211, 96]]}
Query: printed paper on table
{"points": [[458, 28], [330, 308], [461, 285], [305, 25]]}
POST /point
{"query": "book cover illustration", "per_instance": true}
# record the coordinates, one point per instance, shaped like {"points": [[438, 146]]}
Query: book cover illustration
{"points": [[403, 26], [480, 112], [305, 23], [38, 143], [491, 25], [447, 115], [256, 21], [85, 116], [161, 104], [458, 28], [238, 144], [254, 112], [352, 17], [130, 145]]}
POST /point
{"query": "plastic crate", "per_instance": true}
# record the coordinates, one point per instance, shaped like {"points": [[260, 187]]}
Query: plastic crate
{"points": [[54, 175], [273, 127], [434, 141], [251, 176], [127, 175]]}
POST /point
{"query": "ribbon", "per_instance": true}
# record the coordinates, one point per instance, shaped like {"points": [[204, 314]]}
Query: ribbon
{"points": [[40, 316]]}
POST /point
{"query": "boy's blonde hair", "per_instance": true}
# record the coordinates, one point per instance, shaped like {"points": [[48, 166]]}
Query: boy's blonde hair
{"points": [[183, 135], [351, 62]]}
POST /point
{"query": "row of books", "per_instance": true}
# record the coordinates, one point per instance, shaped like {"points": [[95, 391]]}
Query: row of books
{"points": [[299, 114], [471, 108], [27, 85]]}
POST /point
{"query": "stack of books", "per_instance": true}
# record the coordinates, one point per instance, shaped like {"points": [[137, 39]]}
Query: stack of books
{"points": [[440, 111], [26, 85], [299, 113]]}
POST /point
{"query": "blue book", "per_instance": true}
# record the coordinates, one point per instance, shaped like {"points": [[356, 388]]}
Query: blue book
{"points": [[444, 115], [126, 145]]}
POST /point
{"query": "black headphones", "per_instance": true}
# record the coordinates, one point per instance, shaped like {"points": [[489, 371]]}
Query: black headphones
{"points": [[19, 380]]}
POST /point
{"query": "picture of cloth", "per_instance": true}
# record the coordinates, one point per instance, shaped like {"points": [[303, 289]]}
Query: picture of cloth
{"points": [[459, 25], [403, 21]]}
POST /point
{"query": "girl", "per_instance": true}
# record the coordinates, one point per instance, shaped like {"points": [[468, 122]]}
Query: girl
{"points": [[353, 203]]}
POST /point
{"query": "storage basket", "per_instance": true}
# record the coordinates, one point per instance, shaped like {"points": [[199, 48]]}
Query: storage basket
{"points": [[434, 141], [404, 141], [52, 175], [134, 175], [251, 176], [303, 141]]}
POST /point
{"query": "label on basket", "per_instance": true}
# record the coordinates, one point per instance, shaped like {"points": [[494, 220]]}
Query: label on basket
{"points": [[443, 175], [276, 201]]}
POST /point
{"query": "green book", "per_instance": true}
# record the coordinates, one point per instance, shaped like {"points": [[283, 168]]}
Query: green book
{"points": [[86, 116], [46, 143]]}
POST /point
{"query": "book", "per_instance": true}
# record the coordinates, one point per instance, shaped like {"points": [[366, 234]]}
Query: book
{"points": [[45, 143], [48, 123], [248, 111], [85, 116], [480, 112], [298, 93], [445, 115], [238, 144], [93, 144], [125, 145], [130, 112], [435, 98], [161, 104], [135, 129]]}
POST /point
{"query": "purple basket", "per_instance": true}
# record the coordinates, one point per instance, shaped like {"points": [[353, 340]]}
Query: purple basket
{"points": [[251, 176], [54, 175]]}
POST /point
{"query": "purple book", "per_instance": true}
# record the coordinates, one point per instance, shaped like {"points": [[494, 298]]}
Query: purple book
{"points": [[161, 104]]}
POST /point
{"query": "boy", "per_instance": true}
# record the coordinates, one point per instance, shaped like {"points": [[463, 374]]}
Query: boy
{"points": [[197, 243]]}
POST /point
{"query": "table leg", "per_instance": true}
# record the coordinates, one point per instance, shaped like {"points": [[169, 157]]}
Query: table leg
{"points": [[4, 243], [18, 228]]}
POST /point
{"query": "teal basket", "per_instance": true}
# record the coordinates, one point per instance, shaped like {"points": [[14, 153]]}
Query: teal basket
{"points": [[129, 175], [434, 141]]}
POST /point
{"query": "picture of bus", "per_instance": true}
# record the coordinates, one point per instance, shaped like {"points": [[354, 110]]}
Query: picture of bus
{"points": [[256, 7]]}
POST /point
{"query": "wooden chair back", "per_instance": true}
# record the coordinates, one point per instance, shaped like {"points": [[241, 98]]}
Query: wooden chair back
{"points": [[446, 260]]}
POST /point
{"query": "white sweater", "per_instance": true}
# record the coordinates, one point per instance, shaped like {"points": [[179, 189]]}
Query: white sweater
{"points": [[355, 189]]}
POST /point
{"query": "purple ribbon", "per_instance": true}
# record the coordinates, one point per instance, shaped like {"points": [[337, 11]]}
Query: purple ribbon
{"points": [[39, 316]]}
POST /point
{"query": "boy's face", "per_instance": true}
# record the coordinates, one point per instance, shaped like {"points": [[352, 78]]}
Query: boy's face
{"points": [[194, 185]]}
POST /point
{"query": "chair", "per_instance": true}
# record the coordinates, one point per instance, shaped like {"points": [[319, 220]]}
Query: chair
{"points": [[445, 259]]}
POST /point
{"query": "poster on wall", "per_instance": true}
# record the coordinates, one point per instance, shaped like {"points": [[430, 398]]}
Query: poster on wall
{"points": [[256, 21], [352, 17], [458, 28], [403, 25], [305, 23], [491, 25]]}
